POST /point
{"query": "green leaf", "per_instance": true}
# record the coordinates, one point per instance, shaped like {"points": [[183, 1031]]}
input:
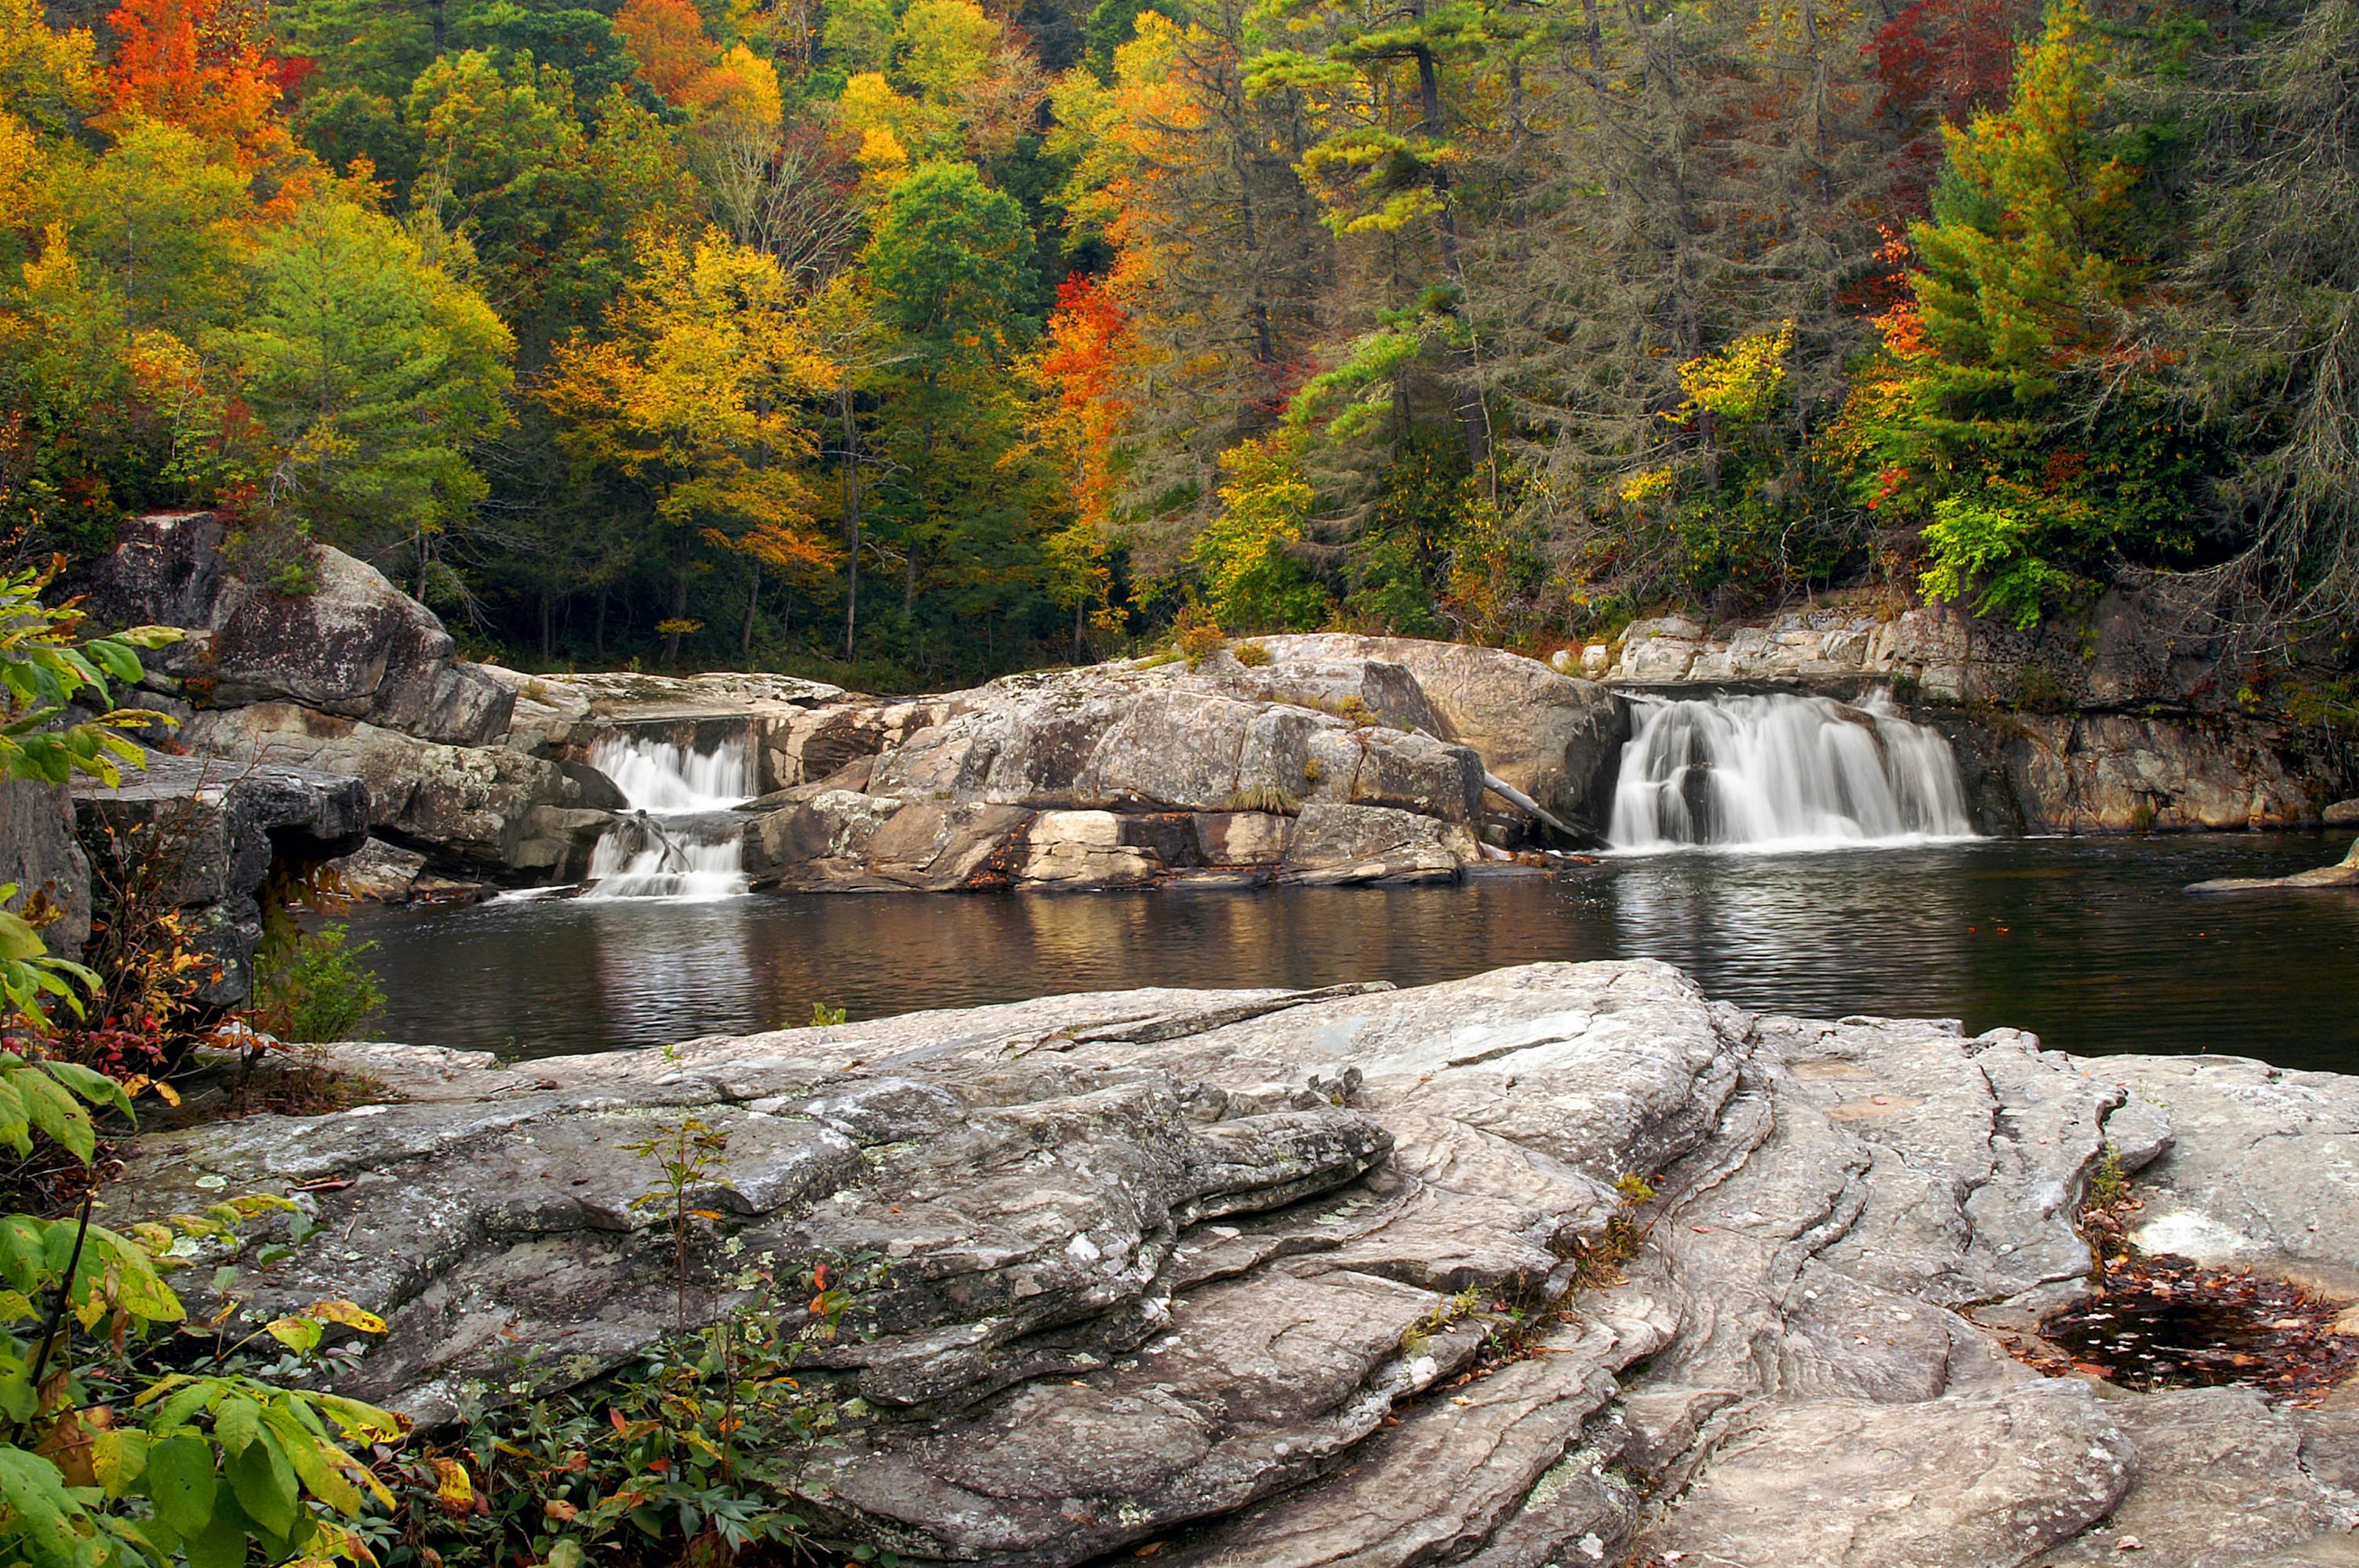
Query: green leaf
{"points": [[57, 1113], [93, 1087], [300, 1335], [117, 1456], [310, 1458], [35, 1494], [221, 1544], [181, 1483], [18, 940], [236, 1420], [264, 1484]]}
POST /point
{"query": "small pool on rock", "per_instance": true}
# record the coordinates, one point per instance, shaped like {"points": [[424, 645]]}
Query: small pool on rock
{"points": [[2166, 1323]]}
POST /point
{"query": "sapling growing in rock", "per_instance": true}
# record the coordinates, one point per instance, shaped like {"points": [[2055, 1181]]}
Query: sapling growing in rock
{"points": [[685, 1157]]}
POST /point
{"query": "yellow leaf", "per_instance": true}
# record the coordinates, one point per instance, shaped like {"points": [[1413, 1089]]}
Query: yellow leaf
{"points": [[455, 1492], [300, 1335], [348, 1313]]}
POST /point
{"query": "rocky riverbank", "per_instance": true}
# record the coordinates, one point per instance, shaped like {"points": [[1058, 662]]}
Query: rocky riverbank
{"points": [[1560, 1264], [2118, 726], [1321, 757]]}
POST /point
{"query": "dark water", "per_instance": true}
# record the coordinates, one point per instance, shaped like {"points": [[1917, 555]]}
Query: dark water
{"points": [[2090, 943]]}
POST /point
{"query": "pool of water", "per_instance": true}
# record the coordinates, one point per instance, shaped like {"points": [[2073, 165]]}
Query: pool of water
{"points": [[2089, 942]]}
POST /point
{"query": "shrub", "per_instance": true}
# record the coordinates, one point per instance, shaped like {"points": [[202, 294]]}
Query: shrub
{"points": [[1252, 655], [1197, 636], [310, 989]]}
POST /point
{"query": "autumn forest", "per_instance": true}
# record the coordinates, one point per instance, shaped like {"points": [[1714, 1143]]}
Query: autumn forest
{"points": [[899, 341]]}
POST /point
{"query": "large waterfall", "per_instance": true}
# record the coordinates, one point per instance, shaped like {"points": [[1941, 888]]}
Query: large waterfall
{"points": [[1783, 773], [679, 840]]}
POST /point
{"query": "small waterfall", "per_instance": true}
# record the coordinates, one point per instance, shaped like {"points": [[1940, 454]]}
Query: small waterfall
{"points": [[1789, 773], [656, 775], [678, 843]]}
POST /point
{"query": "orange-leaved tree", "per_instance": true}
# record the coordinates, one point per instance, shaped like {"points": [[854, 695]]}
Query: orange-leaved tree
{"points": [[199, 64], [1083, 367]]}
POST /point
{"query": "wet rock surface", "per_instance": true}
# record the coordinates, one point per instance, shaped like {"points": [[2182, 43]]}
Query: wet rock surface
{"points": [[1271, 1278]]}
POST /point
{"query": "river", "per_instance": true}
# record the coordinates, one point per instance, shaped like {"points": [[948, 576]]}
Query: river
{"points": [[2088, 942]]}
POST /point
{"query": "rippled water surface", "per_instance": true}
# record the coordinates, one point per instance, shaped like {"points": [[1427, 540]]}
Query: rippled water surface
{"points": [[2091, 943]]}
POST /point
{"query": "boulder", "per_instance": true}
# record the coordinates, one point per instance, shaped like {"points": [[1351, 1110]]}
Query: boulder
{"points": [[205, 834], [1222, 1276], [1113, 738], [2342, 814], [1556, 739], [166, 570], [39, 853], [1333, 845], [378, 872], [355, 646], [836, 826]]}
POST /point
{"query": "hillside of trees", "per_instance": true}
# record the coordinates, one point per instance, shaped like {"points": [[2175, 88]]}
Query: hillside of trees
{"points": [[901, 341]]}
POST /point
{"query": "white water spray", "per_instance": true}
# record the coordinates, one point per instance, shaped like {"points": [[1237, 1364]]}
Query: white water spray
{"points": [[671, 846], [1783, 773]]}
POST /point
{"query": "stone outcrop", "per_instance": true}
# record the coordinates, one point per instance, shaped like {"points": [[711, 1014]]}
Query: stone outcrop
{"points": [[351, 644], [1226, 1274], [40, 854], [201, 834], [1556, 739], [354, 677], [491, 810], [2108, 728]]}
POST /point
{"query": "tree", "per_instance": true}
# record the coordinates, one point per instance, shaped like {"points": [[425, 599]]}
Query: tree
{"points": [[1082, 365], [668, 40], [693, 396], [2012, 426], [199, 64], [946, 266], [1250, 581], [377, 375]]}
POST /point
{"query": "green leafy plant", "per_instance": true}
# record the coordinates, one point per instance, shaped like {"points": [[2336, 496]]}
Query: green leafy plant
{"points": [[111, 1458], [312, 988], [44, 667], [1252, 655], [687, 1454], [823, 1015]]}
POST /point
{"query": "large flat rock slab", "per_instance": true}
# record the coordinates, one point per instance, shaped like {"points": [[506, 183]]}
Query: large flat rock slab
{"points": [[1551, 1265]]}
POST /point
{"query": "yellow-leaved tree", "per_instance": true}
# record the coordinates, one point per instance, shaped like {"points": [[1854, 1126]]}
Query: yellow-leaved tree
{"points": [[695, 394]]}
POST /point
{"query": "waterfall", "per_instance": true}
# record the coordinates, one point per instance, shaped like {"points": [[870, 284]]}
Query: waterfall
{"points": [[656, 775], [1783, 773], [677, 841]]}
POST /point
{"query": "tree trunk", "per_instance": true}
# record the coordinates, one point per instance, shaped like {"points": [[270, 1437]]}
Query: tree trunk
{"points": [[544, 625], [851, 514], [1465, 393], [753, 601], [678, 603], [598, 639]]}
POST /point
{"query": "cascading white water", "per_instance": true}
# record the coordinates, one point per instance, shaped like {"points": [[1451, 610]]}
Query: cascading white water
{"points": [[1783, 773], [675, 844], [656, 775]]}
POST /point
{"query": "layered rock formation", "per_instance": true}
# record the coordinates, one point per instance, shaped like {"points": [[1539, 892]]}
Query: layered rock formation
{"points": [[1345, 1277], [2122, 727], [201, 835]]}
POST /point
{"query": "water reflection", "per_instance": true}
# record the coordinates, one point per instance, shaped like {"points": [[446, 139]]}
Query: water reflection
{"points": [[2088, 942]]}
